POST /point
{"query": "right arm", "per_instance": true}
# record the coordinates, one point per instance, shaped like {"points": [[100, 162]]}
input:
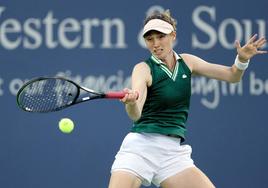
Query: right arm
{"points": [[135, 98]]}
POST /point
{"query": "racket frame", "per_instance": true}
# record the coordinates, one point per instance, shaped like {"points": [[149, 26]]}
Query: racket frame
{"points": [[76, 100]]}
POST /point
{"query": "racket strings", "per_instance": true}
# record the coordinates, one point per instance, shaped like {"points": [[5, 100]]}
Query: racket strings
{"points": [[48, 95]]}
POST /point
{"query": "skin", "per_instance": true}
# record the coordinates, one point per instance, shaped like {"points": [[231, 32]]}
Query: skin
{"points": [[160, 45]]}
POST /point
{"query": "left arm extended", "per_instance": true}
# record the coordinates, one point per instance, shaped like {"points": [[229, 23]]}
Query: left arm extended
{"points": [[226, 73]]}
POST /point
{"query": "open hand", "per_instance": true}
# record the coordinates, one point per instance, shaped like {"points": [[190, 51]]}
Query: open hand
{"points": [[251, 48]]}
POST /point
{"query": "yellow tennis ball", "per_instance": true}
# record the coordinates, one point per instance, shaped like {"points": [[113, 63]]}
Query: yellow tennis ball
{"points": [[66, 125]]}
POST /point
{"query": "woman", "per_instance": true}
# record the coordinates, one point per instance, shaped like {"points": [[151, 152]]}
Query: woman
{"points": [[158, 103]]}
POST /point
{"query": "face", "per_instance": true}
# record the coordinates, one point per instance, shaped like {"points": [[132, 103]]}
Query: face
{"points": [[160, 44]]}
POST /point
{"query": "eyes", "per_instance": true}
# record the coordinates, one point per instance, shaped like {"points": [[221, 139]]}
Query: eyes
{"points": [[155, 36]]}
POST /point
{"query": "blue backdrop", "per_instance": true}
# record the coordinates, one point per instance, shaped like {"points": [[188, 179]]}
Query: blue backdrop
{"points": [[96, 43]]}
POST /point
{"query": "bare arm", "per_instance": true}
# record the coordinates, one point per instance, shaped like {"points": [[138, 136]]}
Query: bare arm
{"points": [[135, 99], [226, 73], [211, 70]]}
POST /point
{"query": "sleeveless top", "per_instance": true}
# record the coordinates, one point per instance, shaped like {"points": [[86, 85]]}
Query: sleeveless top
{"points": [[168, 99]]}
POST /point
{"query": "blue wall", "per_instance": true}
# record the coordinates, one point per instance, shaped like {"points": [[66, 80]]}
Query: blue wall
{"points": [[97, 44]]}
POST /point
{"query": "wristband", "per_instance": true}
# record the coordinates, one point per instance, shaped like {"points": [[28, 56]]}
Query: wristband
{"points": [[240, 65]]}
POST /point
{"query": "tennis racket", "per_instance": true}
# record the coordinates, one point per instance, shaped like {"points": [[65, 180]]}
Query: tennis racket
{"points": [[48, 94]]}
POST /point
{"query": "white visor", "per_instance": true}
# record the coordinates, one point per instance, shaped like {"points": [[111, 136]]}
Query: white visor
{"points": [[158, 25]]}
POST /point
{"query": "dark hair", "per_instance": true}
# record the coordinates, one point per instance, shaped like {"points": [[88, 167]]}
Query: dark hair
{"points": [[165, 16]]}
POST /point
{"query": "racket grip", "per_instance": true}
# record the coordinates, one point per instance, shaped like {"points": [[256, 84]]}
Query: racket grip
{"points": [[115, 95]]}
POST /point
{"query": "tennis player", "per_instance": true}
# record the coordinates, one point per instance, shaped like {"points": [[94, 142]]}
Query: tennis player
{"points": [[152, 152]]}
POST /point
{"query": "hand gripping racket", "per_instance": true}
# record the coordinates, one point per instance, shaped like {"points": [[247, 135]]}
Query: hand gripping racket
{"points": [[48, 94]]}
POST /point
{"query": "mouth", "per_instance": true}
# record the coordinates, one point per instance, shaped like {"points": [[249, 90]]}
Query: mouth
{"points": [[158, 51]]}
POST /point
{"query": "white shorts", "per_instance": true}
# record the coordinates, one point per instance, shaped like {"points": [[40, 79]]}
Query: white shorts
{"points": [[152, 157]]}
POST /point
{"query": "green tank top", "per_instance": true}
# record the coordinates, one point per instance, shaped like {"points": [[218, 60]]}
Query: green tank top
{"points": [[168, 99]]}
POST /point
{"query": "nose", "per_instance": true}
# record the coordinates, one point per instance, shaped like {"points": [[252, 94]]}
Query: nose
{"points": [[155, 43]]}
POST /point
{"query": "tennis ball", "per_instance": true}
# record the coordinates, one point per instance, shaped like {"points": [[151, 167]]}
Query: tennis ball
{"points": [[66, 125]]}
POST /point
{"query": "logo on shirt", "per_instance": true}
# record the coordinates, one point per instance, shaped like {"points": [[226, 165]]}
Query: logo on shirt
{"points": [[184, 76]]}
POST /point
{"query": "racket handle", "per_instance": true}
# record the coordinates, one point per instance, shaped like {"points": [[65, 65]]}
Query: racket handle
{"points": [[115, 95]]}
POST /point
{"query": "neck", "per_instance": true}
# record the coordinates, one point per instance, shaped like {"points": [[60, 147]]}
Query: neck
{"points": [[170, 61]]}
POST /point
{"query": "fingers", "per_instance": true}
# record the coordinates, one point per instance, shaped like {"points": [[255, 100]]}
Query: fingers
{"points": [[257, 43], [252, 46], [262, 52], [237, 45], [252, 39], [130, 97], [260, 42]]}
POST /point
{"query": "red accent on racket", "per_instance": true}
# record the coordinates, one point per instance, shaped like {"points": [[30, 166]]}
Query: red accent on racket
{"points": [[115, 95]]}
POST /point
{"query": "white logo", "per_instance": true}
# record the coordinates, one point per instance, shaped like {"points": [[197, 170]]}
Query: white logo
{"points": [[184, 76]]}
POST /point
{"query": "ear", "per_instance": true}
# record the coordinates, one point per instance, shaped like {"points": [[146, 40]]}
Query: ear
{"points": [[174, 35]]}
